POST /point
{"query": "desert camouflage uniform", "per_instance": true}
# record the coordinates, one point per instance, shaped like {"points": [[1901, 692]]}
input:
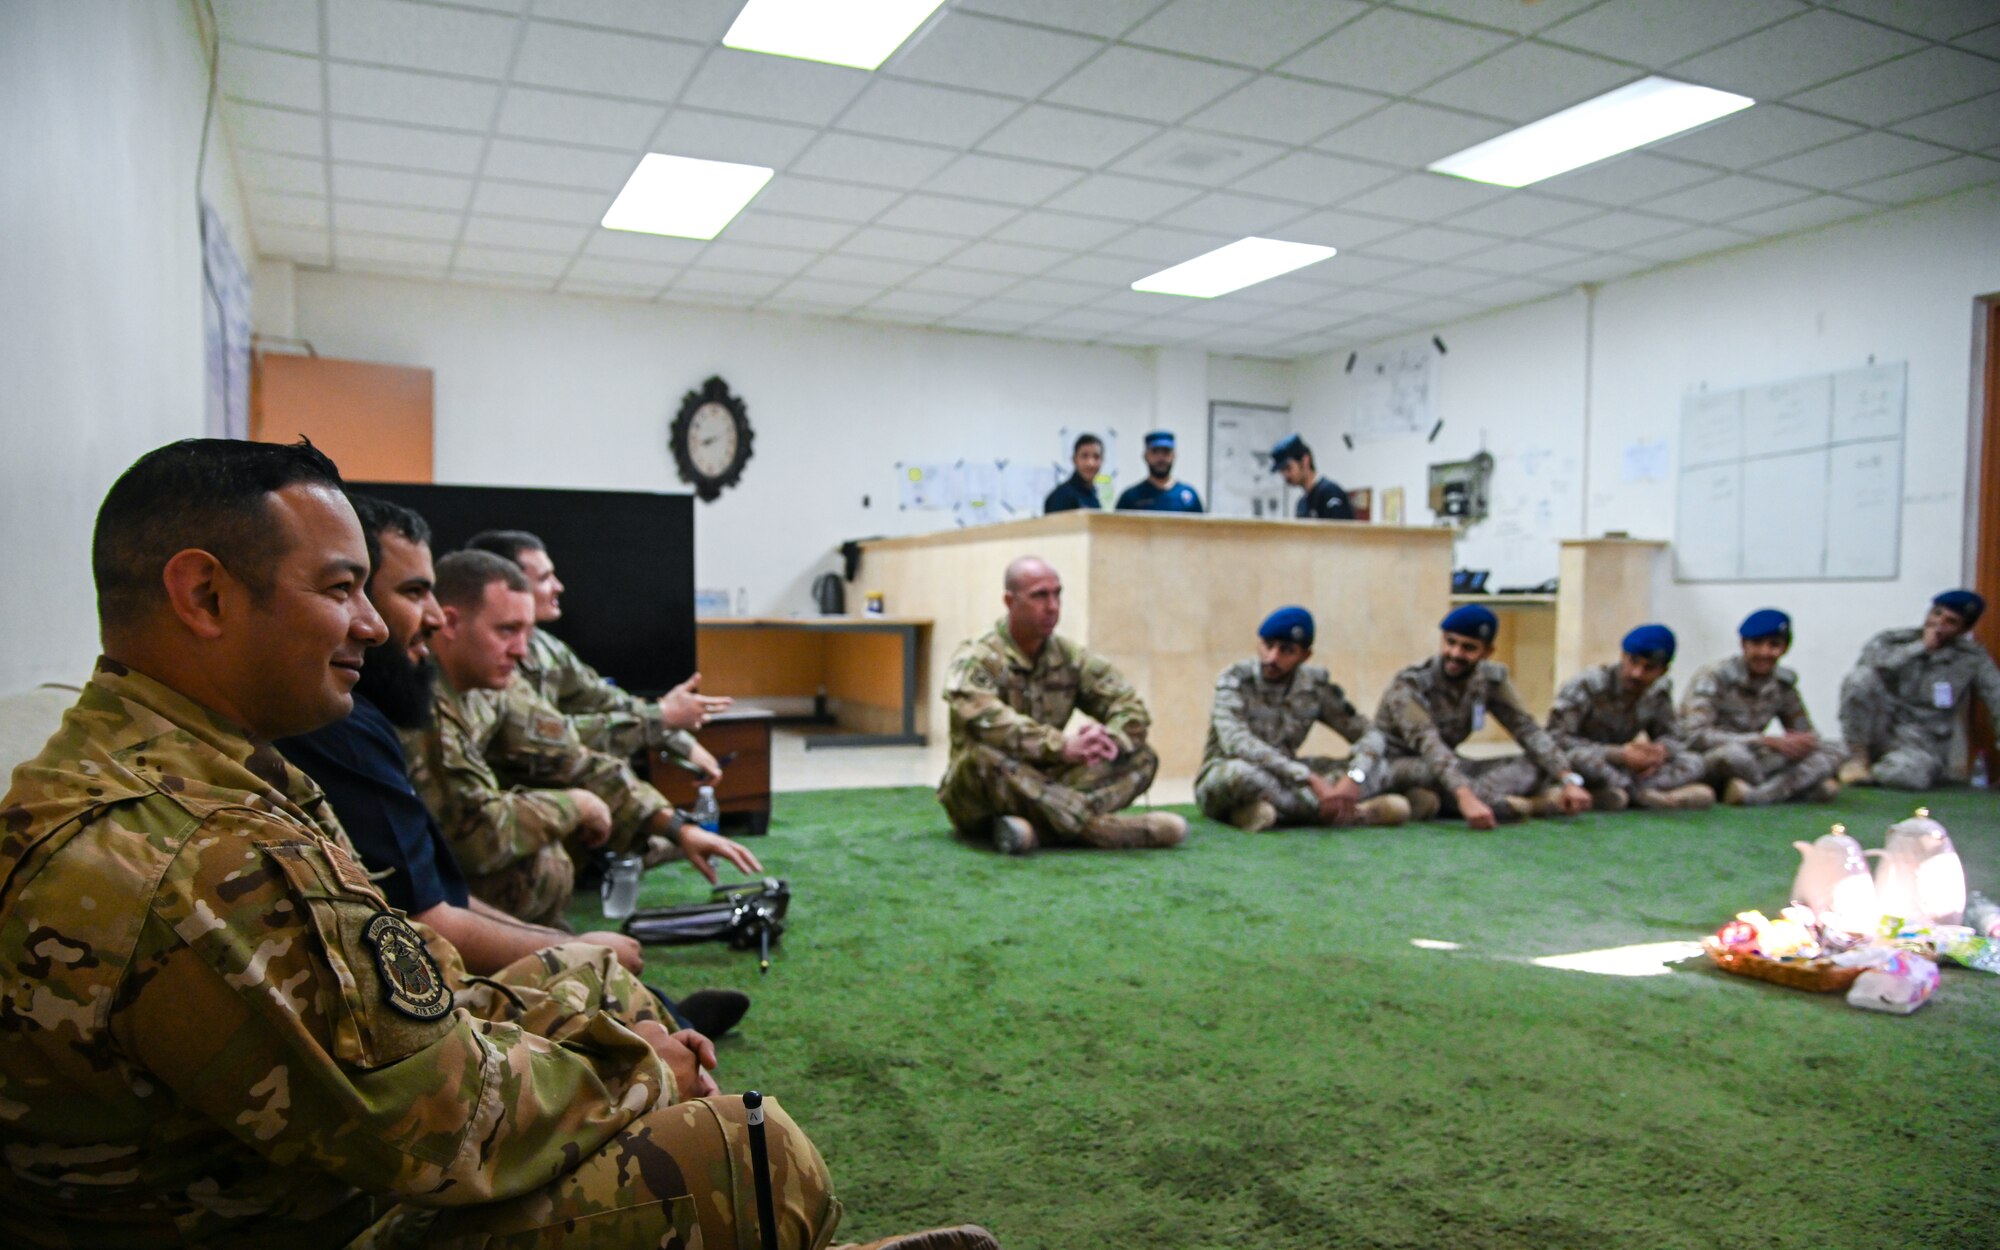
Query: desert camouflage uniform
{"points": [[605, 718], [1423, 717], [1254, 733], [217, 1033], [1889, 704], [1723, 715], [1007, 718], [1592, 714]]}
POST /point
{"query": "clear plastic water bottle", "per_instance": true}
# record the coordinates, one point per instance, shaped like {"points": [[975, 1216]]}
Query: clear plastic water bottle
{"points": [[705, 812], [621, 885]]}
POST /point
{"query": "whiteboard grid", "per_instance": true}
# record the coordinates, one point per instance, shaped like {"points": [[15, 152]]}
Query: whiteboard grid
{"points": [[1793, 481]]}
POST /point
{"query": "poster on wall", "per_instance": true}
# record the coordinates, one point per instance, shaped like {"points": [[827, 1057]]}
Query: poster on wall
{"points": [[1240, 481], [1395, 391], [225, 323]]}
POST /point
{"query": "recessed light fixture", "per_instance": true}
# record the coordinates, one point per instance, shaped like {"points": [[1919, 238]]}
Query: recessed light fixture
{"points": [[1618, 121], [684, 197], [1245, 262], [860, 33]]}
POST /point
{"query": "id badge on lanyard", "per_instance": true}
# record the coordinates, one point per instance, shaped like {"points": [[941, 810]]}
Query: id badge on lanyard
{"points": [[1478, 717], [1941, 694]]}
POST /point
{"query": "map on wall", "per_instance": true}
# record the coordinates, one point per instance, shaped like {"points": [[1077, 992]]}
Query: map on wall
{"points": [[1240, 438], [1800, 480], [225, 323], [1395, 391]]}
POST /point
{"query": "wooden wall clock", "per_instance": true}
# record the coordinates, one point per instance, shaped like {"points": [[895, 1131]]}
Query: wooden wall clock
{"points": [[710, 439]]}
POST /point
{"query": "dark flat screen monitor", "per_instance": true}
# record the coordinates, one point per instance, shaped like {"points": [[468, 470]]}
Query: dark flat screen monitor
{"points": [[626, 560]]}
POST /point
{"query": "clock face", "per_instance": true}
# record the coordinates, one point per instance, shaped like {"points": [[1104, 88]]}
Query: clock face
{"points": [[711, 439]]}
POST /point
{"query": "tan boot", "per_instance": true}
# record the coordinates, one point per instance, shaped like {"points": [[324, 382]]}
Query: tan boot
{"points": [[1857, 771], [1013, 835], [1386, 809], [1736, 792], [1255, 816], [1548, 802], [1825, 792], [1513, 808], [1424, 803], [1126, 831], [1609, 799], [1688, 798], [963, 1237]]}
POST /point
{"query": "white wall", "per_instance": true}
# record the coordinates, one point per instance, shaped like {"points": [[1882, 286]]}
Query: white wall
{"points": [[1895, 287], [100, 324]]}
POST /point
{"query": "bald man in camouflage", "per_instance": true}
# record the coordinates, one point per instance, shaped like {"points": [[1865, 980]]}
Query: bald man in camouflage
{"points": [[1015, 775], [1899, 707], [220, 1033]]}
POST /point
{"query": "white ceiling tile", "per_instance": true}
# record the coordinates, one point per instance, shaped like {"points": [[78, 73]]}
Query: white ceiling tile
{"points": [[878, 162], [558, 165], [921, 303], [1521, 257], [270, 172], [1392, 51], [1985, 43], [1934, 19], [1090, 319], [1973, 125], [631, 272], [1423, 197], [1522, 214], [1795, 54], [654, 248], [1111, 271], [717, 282], [908, 110], [411, 147], [904, 245], [1156, 86], [961, 282], [752, 258], [778, 87], [282, 209], [399, 186], [1726, 197], [1228, 213], [1157, 243], [1207, 160], [698, 21], [1695, 242], [870, 270], [276, 130], [1298, 319], [1258, 34], [1142, 303], [420, 36], [1284, 109], [1528, 81], [1922, 184], [1860, 159], [1443, 280], [1430, 244], [826, 294], [1291, 292], [348, 245], [1370, 301], [961, 50], [1064, 230], [606, 290], [1001, 178], [1515, 15], [1517, 291], [1613, 231], [1337, 228], [599, 61], [1056, 292], [943, 215], [510, 260], [743, 140], [1314, 178], [1804, 215], [1439, 311], [1007, 258], [1128, 199], [525, 235], [1099, 17], [467, 275], [1067, 136], [270, 77], [1410, 134], [514, 199], [396, 95], [1626, 179], [294, 243], [532, 113], [288, 25], [1931, 79], [1013, 310], [1753, 136], [781, 230], [408, 270], [1655, 34], [410, 223]]}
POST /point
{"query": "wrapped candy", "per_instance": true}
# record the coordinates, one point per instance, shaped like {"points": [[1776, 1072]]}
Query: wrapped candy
{"points": [[1900, 985]]}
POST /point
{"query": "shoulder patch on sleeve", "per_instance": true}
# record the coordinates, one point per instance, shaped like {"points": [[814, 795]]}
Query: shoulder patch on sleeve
{"points": [[411, 982], [1493, 670]]}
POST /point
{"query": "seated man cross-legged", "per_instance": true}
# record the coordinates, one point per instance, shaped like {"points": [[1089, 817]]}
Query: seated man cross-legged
{"points": [[1899, 707], [1599, 715], [1730, 704], [1251, 773], [1014, 774]]}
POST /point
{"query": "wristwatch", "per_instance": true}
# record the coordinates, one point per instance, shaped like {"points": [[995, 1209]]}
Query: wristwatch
{"points": [[1357, 775], [1573, 779]]}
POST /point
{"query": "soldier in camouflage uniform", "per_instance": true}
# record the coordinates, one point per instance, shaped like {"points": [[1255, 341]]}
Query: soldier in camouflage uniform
{"points": [[1430, 708], [1729, 704], [218, 1033], [1599, 715], [1251, 773], [1899, 707], [1014, 774]]}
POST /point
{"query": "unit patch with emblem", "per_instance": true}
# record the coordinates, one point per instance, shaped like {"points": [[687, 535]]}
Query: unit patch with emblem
{"points": [[410, 978]]}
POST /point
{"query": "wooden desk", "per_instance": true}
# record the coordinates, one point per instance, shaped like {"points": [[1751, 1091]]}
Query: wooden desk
{"points": [[740, 740], [867, 668]]}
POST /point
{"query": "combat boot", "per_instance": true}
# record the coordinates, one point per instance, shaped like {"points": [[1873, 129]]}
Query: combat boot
{"points": [[1688, 798], [1126, 831], [1255, 816], [1737, 793], [1424, 803], [1857, 771], [1548, 803], [1387, 809], [1513, 808], [1609, 799], [963, 1237], [1823, 792], [1013, 835]]}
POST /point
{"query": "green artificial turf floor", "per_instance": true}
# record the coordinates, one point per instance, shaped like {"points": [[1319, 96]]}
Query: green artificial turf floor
{"points": [[1235, 1043]]}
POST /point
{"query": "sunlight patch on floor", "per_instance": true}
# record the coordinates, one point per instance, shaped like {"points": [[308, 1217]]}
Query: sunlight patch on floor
{"points": [[1651, 959]]}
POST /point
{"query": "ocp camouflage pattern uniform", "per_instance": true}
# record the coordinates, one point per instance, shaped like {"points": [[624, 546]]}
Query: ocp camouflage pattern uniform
{"points": [[217, 1033], [1255, 729], [1424, 715], [1593, 714], [1007, 718], [1724, 713], [1899, 706], [605, 718]]}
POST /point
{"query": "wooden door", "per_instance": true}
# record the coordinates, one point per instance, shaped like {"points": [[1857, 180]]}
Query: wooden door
{"points": [[373, 420], [1986, 549]]}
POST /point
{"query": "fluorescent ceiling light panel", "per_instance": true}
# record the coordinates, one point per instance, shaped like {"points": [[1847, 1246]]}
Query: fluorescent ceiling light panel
{"points": [[1245, 262], [684, 197], [860, 33], [1618, 121]]}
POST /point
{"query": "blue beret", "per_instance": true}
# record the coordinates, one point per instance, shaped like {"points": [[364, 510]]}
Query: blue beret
{"points": [[1292, 448], [1471, 621], [1288, 624], [1964, 602], [1160, 438], [1764, 623], [1649, 642]]}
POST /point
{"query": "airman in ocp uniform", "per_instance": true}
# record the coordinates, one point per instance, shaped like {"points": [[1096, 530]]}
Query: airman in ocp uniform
{"points": [[1899, 706], [1730, 704], [1597, 719]]}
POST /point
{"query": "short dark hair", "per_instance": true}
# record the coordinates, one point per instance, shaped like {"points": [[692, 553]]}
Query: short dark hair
{"points": [[199, 493], [1083, 441], [507, 544], [463, 576], [379, 516]]}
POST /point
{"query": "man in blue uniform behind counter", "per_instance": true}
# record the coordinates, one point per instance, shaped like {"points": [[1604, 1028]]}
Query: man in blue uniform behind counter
{"points": [[1323, 497], [1160, 492], [1079, 490]]}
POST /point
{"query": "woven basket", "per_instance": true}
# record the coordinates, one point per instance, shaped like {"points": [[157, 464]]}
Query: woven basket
{"points": [[1821, 976]]}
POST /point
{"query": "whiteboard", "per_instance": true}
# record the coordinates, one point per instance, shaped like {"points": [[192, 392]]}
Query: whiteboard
{"points": [[1784, 517], [1868, 403], [1711, 518], [1240, 481], [1864, 520], [1711, 428], [1787, 416]]}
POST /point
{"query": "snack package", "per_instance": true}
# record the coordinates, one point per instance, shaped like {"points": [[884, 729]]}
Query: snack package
{"points": [[1900, 986], [1970, 950]]}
